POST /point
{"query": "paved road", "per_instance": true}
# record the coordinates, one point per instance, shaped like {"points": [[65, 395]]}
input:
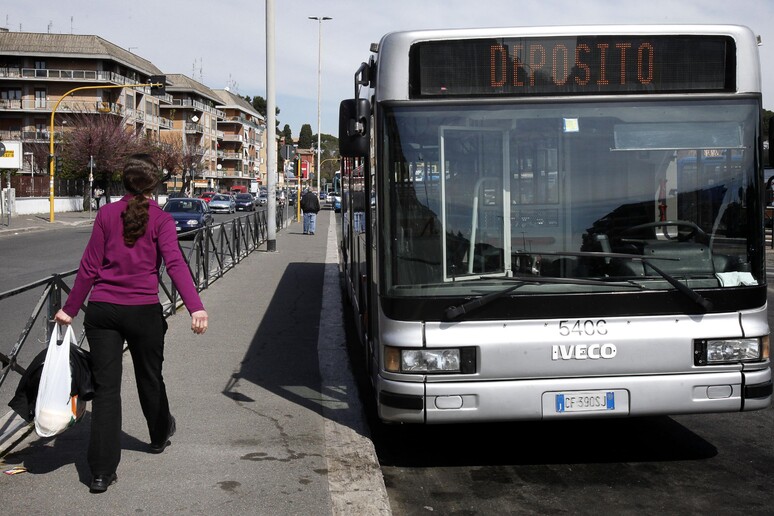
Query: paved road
{"points": [[268, 415]]}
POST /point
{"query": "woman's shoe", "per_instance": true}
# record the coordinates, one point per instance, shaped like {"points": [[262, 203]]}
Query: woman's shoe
{"points": [[100, 483]]}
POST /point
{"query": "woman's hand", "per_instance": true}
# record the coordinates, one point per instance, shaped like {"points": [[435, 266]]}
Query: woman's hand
{"points": [[62, 318], [199, 322]]}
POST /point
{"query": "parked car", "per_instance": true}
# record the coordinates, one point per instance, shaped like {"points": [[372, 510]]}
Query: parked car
{"points": [[263, 199], [207, 196], [222, 203], [244, 201], [189, 214]]}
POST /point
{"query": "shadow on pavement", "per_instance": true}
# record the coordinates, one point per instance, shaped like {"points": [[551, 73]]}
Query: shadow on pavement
{"points": [[44, 455], [283, 354]]}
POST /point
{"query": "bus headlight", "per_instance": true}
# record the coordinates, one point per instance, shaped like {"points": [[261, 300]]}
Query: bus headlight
{"points": [[730, 351], [430, 360]]}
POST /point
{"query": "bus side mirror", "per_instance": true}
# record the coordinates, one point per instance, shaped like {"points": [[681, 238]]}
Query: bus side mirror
{"points": [[354, 131]]}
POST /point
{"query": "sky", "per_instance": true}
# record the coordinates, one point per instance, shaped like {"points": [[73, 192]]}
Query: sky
{"points": [[222, 43]]}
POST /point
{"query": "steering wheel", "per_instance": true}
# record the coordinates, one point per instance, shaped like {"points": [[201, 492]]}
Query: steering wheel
{"points": [[696, 231]]}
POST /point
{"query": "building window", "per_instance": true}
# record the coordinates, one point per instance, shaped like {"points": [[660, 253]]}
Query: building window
{"points": [[41, 129], [40, 98], [40, 69], [11, 94]]}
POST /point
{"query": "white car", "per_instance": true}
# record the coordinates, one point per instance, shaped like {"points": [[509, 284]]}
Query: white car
{"points": [[222, 203]]}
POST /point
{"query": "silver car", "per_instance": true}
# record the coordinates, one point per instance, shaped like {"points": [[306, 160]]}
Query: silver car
{"points": [[222, 203]]}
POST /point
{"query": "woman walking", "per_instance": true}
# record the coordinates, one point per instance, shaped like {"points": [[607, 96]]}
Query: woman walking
{"points": [[119, 273]]}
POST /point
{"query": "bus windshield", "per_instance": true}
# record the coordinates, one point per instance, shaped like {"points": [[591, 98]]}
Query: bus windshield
{"points": [[575, 190]]}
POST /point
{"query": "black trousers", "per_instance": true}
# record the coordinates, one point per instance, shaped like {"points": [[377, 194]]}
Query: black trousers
{"points": [[107, 327]]}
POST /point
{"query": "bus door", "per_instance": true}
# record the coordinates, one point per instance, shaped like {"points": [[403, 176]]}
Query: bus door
{"points": [[535, 211], [475, 199]]}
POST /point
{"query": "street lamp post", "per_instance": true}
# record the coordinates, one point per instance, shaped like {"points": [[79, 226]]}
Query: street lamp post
{"points": [[319, 19], [51, 157]]}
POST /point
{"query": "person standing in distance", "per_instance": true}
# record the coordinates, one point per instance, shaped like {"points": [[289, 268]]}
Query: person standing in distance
{"points": [[310, 205], [119, 272]]}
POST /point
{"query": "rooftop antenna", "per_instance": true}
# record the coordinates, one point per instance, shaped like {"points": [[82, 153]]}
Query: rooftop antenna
{"points": [[71, 24], [201, 74], [50, 24], [232, 84]]}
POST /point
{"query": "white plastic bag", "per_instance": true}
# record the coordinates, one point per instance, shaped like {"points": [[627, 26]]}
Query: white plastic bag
{"points": [[55, 409]]}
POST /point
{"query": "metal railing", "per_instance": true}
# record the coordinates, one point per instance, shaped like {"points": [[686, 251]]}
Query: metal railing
{"points": [[214, 250]]}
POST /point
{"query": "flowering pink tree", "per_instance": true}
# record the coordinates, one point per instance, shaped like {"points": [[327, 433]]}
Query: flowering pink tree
{"points": [[106, 139], [173, 157]]}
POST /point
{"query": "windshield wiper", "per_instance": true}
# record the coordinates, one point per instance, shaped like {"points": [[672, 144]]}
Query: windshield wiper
{"points": [[454, 312], [681, 287], [694, 296]]}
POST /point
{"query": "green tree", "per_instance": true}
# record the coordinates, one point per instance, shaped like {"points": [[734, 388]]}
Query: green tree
{"points": [[305, 137], [287, 134], [329, 156], [259, 104]]}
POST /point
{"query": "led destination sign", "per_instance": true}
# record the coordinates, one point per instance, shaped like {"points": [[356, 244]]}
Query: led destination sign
{"points": [[572, 65]]}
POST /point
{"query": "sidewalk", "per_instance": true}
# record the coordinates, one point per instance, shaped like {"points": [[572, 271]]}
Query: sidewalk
{"points": [[40, 221], [268, 415]]}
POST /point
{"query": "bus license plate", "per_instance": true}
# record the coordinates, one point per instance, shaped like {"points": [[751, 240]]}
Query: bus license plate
{"points": [[584, 401]]}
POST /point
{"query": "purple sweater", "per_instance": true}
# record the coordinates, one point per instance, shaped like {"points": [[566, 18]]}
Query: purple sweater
{"points": [[123, 275]]}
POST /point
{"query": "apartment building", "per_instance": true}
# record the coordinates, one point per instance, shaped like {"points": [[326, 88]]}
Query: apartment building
{"points": [[38, 70], [242, 151], [195, 117]]}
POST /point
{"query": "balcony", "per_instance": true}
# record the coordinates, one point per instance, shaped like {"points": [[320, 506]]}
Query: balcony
{"points": [[195, 104], [241, 119], [233, 138], [28, 136], [191, 127], [59, 75], [232, 155]]}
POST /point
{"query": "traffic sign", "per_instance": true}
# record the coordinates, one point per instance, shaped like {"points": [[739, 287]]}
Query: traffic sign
{"points": [[287, 152], [11, 155]]}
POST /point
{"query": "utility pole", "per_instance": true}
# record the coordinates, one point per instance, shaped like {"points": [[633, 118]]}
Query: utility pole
{"points": [[91, 182], [319, 19], [271, 123]]}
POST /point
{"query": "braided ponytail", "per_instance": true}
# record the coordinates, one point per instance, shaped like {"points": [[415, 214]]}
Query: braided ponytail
{"points": [[140, 179]]}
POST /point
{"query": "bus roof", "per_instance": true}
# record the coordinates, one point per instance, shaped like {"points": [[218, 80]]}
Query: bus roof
{"points": [[394, 48]]}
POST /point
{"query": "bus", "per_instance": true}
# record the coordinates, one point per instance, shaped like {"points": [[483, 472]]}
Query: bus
{"points": [[560, 222], [334, 194]]}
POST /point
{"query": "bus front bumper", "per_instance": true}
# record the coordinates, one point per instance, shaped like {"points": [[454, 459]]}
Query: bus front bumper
{"points": [[535, 399]]}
